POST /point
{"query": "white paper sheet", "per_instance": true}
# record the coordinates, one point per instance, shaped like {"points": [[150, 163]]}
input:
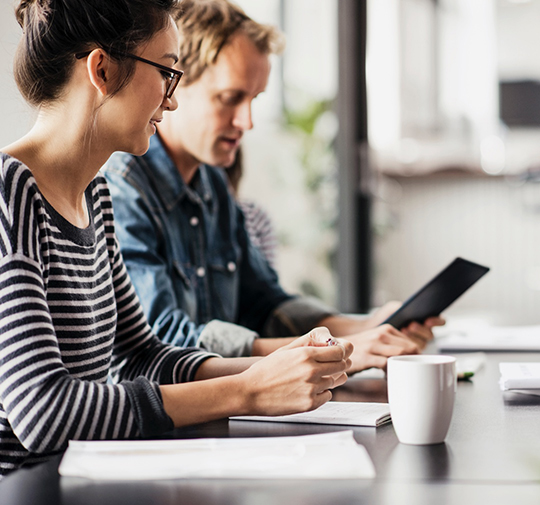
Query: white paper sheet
{"points": [[519, 376], [492, 338], [326, 456], [341, 413], [530, 392]]}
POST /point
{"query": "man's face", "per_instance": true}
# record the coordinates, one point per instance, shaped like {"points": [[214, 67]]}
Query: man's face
{"points": [[214, 111]]}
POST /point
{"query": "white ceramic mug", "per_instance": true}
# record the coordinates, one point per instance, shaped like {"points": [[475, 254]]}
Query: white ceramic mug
{"points": [[421, 393]]}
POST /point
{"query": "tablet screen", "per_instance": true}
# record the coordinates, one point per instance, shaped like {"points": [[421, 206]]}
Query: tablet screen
{"points": [[438, 294]]}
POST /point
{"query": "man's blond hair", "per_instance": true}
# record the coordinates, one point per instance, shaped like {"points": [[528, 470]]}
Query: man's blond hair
{"points": [[206, 26]]}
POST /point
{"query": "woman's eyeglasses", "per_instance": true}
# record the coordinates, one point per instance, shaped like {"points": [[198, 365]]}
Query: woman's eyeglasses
{"points": [[172, 75]]}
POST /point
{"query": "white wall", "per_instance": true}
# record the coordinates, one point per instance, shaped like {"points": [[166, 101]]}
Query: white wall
{"points": [[423, 222], [494, 221], [16, 117], [518, 39]]}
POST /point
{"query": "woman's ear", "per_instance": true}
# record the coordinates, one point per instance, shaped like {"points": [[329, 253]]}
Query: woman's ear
{"points": [[99, 70]]}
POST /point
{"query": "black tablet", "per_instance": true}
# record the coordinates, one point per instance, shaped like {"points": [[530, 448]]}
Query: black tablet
{"points": [[438, 294]]}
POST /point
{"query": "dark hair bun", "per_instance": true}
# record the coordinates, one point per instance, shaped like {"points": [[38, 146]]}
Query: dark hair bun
{"points": [[55, 30]]}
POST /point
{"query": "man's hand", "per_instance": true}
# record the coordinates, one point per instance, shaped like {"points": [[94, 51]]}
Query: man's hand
{"points": [[372, 348], [421, 334], [374, 342]]}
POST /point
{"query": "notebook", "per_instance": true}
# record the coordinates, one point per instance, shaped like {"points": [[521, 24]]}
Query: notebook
{"points": [[339, 413]]}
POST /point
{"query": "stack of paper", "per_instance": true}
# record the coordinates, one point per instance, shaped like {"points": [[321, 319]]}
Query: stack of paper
{"points": [[495, 338], [327, 456], [520, 377], [343, 413]]}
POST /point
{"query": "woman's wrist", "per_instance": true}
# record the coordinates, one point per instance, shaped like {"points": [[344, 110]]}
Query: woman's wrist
{"points": [[205, 400], [221, 367], [241, 395]]}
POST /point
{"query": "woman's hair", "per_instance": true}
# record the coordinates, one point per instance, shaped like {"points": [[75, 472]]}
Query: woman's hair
{"points": [[235, 171], [55, 30], [206, 26]]}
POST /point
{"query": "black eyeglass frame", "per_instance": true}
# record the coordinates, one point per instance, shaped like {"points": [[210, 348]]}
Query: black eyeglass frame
{"points": [[174, 75]]}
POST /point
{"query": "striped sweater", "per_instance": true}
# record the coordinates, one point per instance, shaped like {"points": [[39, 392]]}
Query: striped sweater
{"points": [[68, 317]]}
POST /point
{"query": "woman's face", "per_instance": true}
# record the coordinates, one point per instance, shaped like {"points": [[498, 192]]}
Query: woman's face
{"points": [[130, 117]]}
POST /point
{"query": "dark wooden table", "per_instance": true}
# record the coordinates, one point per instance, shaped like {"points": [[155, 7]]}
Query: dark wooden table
{"points": [[491, 456]]}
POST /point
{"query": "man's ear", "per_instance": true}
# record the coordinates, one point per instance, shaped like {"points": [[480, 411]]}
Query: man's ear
{"points": [[98, 66]]}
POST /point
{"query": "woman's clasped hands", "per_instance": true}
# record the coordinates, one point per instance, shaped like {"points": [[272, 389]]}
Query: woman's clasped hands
{"points": [[300, 376]]}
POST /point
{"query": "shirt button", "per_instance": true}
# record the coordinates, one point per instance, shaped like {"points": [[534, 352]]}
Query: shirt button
{"points": [[231, 266], [194, 221], [201, 272]]}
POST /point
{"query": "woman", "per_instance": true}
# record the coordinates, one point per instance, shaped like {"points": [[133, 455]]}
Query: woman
{"points": [[258, 223], [99, 74]]}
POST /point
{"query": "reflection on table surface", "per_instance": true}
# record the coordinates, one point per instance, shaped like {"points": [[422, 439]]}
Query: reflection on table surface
{"points": [[491, 454]]}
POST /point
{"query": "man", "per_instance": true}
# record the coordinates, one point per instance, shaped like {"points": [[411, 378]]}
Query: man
{"points": [[199, 278]]}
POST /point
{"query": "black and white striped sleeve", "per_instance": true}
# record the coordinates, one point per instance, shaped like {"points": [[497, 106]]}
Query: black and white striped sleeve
{"points": [[137, 351], [45, 405]]}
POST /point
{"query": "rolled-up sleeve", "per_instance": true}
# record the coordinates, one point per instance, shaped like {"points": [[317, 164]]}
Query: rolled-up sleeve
{"points": [[227, 339], [296, 317]]}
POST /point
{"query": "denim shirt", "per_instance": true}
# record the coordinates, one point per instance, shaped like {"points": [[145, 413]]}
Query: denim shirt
{"points": [[199, 278]]}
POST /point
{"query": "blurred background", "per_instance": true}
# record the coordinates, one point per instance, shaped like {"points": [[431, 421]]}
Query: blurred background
{"points": [[394, 136]]}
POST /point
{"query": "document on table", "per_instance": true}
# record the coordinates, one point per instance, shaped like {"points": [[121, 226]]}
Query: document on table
{"points": [[529, 392], [491, 338], [326, 456], [342, 413], [519, 376]]}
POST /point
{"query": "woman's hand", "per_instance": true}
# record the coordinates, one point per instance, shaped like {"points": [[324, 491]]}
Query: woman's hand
{"points": [[298, 377]]}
